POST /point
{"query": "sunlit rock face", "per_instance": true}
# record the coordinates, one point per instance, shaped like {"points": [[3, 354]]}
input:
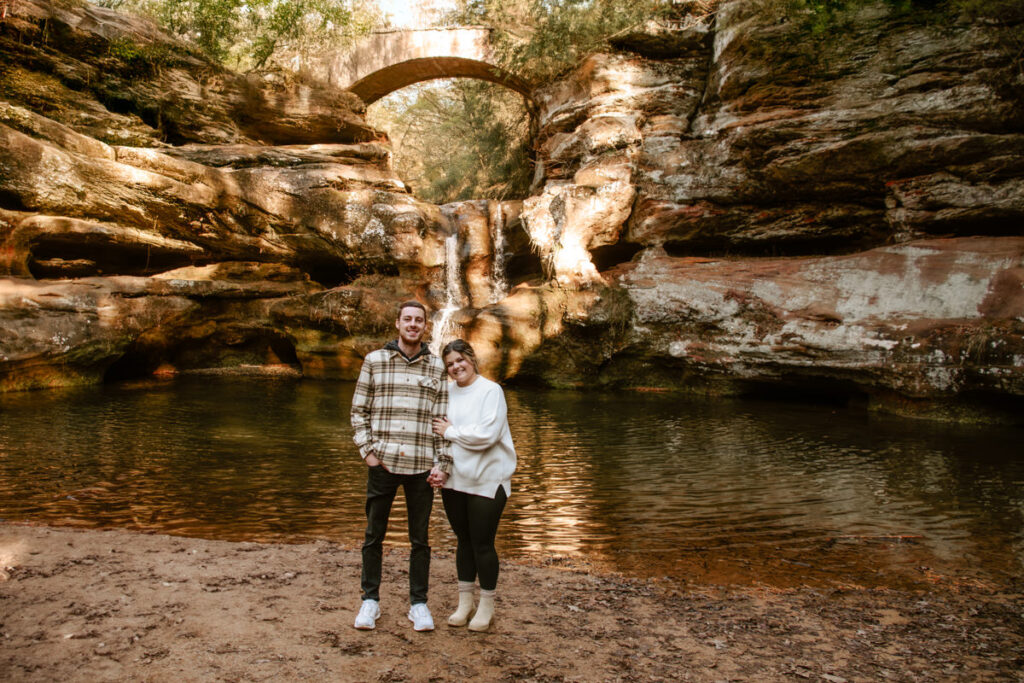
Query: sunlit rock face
{"points": [[591, 132], [726, 207], [330, 212], [568, 220], [768, 172], [746, 135], [139, 184], [312, 206], [118, 79]]}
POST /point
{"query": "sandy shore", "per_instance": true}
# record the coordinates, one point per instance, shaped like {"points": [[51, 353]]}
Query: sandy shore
{"points": [[121, 606]]}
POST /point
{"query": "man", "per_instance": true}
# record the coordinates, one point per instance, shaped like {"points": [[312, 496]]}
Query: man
{"points": [[401, 388]]}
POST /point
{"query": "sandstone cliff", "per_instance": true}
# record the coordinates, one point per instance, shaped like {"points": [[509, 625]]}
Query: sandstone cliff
{"points": [[157, 211], [724, 206], [762, 212]]}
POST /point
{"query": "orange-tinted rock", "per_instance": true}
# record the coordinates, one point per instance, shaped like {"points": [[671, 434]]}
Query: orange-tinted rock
{"points": [[753, 138], [930, 319]]}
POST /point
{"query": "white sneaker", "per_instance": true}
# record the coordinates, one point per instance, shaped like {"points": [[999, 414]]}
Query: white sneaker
{"points": [[366, 620], [420, 617]]}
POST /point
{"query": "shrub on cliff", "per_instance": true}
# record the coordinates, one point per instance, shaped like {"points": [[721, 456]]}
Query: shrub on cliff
{"points": [[250, 33], [486, 132], [823, 17], [537, 39]]}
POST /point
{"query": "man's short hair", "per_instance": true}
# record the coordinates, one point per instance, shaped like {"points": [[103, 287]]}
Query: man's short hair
{"points": [[412, 303]]}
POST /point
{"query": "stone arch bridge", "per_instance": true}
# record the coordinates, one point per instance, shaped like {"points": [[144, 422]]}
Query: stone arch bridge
{"points": [[389, 60]]}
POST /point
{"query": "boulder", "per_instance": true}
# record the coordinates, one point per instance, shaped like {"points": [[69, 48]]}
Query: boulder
{"points": [[69, 332], [927, 319]]}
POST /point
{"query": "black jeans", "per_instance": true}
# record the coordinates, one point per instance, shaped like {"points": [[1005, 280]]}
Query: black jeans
{"points": [[381, 487], [474, 520]]}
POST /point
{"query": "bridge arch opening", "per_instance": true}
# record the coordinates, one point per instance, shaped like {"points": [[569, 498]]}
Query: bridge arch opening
{"points": [[387, 80], [460, 125], [457, 139]]}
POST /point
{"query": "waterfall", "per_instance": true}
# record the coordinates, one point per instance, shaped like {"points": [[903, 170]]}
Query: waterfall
{"points": [[499, 279], [445, 329]]}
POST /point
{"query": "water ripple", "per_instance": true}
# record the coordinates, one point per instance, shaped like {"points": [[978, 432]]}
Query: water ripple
{"points": [[647, 484]]}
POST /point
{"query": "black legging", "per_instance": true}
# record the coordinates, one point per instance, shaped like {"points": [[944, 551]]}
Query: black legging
{"points": [[474, 520]]}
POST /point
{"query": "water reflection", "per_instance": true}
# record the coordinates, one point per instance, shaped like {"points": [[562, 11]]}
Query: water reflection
{"points": [[651, 485]]}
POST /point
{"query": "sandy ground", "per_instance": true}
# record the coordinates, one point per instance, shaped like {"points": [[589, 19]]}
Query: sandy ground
{"points": [[123, 606]]}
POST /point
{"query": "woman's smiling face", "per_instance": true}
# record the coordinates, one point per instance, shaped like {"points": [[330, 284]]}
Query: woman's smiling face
{"points": [[459, 368]]}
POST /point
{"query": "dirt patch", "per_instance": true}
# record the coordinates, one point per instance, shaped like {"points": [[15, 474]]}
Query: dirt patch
{"points": [[116, 605]]}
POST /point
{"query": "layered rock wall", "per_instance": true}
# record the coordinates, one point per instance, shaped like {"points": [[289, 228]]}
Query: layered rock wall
{"points": [[747, 137], [773, 204], [724, 205], [160, 213]]}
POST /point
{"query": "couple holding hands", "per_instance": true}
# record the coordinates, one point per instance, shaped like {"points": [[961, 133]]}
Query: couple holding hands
{"points": [[417, 430]]}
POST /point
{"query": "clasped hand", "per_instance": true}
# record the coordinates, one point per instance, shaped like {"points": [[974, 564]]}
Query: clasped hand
{"points": [[441, 425], [437, 478]]}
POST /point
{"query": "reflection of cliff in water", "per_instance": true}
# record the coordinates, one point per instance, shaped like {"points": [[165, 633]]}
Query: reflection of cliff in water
{"points": [[649, 485]]}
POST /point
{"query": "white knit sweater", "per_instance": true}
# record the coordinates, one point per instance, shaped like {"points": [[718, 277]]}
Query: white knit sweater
{"points": [[482, 448]]}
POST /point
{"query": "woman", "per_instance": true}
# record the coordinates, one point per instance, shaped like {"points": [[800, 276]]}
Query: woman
{"points": [[474, 494]]}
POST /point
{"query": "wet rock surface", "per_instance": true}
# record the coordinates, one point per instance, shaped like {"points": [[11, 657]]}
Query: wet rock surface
{"points": [[821, 321]]}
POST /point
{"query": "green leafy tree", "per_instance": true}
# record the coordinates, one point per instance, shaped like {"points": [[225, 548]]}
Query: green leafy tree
{"points": [[253, 33], [456, 140], [537, 39], [471, 140]]}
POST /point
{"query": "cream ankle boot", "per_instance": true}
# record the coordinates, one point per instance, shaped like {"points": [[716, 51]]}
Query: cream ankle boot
{"points": [[484, 612], [461, 615]]}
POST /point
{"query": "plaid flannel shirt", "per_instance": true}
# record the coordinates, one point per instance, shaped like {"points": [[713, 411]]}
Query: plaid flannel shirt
{"points": [[394, 402]]}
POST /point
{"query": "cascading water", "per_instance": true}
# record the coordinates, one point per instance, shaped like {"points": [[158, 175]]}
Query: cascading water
{"points": [[499, 279], [445, 329]]}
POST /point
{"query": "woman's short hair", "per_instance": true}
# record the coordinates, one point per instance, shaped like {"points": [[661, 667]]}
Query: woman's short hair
{"points": [[460, 346]]}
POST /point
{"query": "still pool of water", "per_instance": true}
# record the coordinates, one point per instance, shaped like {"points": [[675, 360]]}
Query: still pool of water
{"points": [[651, 485]]}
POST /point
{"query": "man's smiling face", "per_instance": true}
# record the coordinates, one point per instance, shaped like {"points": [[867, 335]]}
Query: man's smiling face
{"points": [[412, 325]]}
